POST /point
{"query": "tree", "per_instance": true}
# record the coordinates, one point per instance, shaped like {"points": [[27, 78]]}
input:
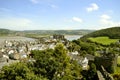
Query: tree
{"points": [[18, 71], [45, 64], [116, 76], [49, 64], [83, 53], [74, 47], [56, 64], [91, 73]]}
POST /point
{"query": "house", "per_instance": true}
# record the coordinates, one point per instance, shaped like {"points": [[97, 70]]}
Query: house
{"points": [[90, 57], [2, 59], [84, 63], [51, 46], [75, 53], [23, 55], [14, 56]]}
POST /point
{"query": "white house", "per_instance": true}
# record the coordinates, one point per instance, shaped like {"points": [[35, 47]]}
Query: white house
{"points": [[85, 63]]}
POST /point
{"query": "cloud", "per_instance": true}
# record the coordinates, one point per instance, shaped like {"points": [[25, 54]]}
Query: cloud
{"points": [[34, 1], [107, 21], [105, 17], [76, 19], [15, 23], [92, 7], [72, 20], [53, 6]]}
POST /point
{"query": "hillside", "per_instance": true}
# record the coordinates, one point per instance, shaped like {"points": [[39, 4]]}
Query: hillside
{"points": [[112, 33], [6, 32], [64, 32], [103, 40]]}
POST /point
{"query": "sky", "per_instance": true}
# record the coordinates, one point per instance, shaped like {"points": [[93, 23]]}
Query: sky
{"points": [[59, 14]]}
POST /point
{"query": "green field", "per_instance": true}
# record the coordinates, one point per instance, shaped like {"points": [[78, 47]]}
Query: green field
{"points": [[118, 67], [103, 40], [118, 60]]}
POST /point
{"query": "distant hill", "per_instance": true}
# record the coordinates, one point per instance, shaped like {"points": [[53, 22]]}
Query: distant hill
{"points": [[6, 32], [113, 33], [64, 32]]}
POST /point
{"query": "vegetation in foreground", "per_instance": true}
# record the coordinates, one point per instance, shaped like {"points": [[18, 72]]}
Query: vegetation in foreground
{"points": [[116, 75], [118, 65], [49, 64]]}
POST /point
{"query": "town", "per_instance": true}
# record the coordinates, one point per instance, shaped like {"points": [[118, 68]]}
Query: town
{"points": [[13, 51]]}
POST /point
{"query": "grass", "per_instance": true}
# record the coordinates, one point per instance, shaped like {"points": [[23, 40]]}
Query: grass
{"points": [[117, 71], [103, 40], [118, 67], [118, 60]]}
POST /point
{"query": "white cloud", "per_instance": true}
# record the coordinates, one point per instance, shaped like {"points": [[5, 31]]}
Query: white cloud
{"points": [[53, 6], [92, 7], [104, 16], [15, 23], [77, 19], [34, 1], [107, 21]]}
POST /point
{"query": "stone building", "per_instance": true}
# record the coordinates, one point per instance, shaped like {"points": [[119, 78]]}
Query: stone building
{"points": [[59, 37], [108, 62]]}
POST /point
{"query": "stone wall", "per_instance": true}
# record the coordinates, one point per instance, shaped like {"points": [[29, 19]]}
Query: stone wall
{"points": [[109, 63]]}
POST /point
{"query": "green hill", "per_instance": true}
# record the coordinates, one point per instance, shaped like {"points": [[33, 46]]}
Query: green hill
{"points": [[103, 40], [7, 32], [63, 32], [4, 32], [112, 33]]}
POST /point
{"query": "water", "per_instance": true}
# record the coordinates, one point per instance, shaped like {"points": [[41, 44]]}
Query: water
{"points": [[73, 37], [17, 38]]}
